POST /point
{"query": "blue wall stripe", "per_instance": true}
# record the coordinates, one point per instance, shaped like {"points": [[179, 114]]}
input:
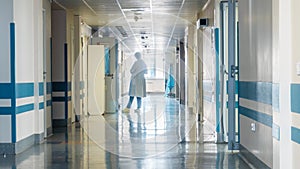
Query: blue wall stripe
{"points": [[295, 98], [58, 99], [275, 96], [61, 99], [295, 134], [41, 105], [49, 103], [6, 110], [24, 90], [49, 88], [276, 131], [218, 116], [236, 104], [256, 91], [13, 81], [5, 91], [257, 116], [61, 86], [24, 108], [41, 89]]}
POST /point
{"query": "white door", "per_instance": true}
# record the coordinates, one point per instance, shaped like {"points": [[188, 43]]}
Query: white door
{"points": [[96, 79]]}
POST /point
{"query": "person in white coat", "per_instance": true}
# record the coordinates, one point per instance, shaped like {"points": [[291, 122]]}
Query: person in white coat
{"points": [[137, 86]]}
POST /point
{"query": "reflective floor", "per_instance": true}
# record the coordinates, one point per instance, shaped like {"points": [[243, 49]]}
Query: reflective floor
{"points": [[162, 135]]}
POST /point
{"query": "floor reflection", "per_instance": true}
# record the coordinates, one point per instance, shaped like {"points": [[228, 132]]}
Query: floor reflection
{"points": [[162, 135]]}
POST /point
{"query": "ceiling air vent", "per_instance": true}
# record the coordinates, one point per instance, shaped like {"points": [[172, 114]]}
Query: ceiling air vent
{"points": [[122, 31]]}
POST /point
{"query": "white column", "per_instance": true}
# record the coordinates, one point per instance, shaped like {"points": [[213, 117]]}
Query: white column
{"points": [[285, 80]]}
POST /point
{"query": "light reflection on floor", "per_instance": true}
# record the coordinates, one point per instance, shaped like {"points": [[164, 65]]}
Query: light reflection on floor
{"points": [[162, 135]]}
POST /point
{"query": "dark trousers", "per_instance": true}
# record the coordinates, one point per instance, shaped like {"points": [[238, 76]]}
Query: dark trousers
{"points": [[138, 100]]}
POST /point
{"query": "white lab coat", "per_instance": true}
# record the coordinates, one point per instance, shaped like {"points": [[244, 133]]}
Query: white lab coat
{"points": [[137, 82]]}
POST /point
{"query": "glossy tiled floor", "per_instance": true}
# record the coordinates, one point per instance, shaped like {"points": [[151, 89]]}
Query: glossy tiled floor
{"points": [[163, 135]]}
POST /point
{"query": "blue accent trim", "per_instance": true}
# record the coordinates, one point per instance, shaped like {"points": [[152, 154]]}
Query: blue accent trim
{"points": [[24, 108], [13, 81], [116, 68], [51, 57], [41, 105], [295, 134], [236, 104], [295, 97], [276, 131], [237, 84], [24, 90], [236, 87], [256, 91], [59, 86], [107, 61], [62, 99], [5, 90], [49, 103], [58, 99], [275, 96], [49, 88], [5, 110], [257, 116], [218, 115], [41, 89]]}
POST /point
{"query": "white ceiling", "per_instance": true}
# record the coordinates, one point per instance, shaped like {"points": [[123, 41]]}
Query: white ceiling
{"points": [[149, 24]]}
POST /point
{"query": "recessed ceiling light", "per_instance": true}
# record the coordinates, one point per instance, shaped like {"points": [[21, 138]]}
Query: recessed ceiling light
{"points": [[139, 10]]}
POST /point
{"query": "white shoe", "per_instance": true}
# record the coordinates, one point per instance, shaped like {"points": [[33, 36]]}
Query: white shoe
{"points": [[126, 110], [137, 110]]}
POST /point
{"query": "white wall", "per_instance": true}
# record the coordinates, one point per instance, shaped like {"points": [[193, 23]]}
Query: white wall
{"points": [[23, 16], [47, 8], [5, 129], [209, 76], [275, 78], [6, 17], [39, 67], [191, 85], [24, 125], [71, 57], [295, 41], [29, 66], [255, 20], [256, 31], [58, 39], [206, 48]]}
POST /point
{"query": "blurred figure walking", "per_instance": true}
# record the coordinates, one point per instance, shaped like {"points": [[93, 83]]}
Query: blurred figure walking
{"points": [[137, 86]]}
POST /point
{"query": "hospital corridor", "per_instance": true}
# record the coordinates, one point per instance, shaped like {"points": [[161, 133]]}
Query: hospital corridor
{"points": [[152, 84]]}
